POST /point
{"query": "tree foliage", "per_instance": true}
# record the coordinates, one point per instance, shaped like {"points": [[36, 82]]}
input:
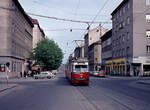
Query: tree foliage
{"points": [[47, 54]]}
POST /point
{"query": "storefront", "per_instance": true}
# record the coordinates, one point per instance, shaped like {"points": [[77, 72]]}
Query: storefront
{"points": [[116, 66], [108, 66], [132, 67], [140, 66]]}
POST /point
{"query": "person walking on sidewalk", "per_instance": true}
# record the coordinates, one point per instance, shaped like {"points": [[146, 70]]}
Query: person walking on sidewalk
{"points": [[25, 74]]}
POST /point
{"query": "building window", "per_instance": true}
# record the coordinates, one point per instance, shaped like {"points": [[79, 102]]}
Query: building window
{"points": [[147, 2], [127, 51], [96, 59], [120, 26], [120, 12], [128, 35], [148, 34], [128, 20], [148, 48], [124, 9], [123, 23], [148, 18], [123, 38], [123, 52], [128, 5], [120, 40], [96, 50]]}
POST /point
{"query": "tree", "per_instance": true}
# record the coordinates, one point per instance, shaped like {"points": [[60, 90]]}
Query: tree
{"points": [[47, 54]]}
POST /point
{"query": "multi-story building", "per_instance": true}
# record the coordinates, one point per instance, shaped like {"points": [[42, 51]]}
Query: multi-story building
{"points": [[94, 56], [79, 51], [107, 51], [130, 38], [93, 47], [15, 36], [38, 33]]}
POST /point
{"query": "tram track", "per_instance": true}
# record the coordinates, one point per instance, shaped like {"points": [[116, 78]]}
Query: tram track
{"points": [[91, 102], [95, 104]]}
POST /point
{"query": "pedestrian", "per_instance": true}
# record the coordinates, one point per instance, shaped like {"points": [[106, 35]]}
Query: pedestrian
{"points": [[18, 75], [21, 74], [38, 71], [25, 74]]}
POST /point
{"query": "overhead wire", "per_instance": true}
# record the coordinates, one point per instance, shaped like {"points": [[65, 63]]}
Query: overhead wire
{"points": [[70, 20], [65, 29], [75, 13], [99, 11], [92, 22]]}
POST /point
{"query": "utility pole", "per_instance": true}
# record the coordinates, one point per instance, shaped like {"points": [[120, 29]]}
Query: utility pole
{"points": [[100, 29]]}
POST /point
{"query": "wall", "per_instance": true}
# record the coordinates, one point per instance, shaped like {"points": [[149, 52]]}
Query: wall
{"points": [[16, 39]]}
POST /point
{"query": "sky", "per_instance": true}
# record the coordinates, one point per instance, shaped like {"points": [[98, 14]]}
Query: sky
{"points": [[82, 10]]}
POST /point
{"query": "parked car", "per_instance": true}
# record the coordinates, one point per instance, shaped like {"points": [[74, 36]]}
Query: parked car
{"points": [[45, 74], [95, 73], [54, 72], [101, 73]]}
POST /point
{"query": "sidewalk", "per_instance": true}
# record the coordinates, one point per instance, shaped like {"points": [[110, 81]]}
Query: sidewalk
{"points": [[141, 80], [144, 81], [4, 87]]}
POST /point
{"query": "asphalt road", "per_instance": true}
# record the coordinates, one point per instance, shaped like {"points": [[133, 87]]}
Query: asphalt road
{"points": [[57, 94]]}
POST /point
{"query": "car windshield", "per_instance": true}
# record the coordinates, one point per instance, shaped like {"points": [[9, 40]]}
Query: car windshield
{"points": [[44, 73]]}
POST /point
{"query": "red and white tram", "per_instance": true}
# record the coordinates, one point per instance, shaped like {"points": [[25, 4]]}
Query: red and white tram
{"points": [[77, 71]]}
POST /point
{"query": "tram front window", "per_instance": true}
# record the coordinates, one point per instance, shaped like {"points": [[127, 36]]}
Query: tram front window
{"points": [[81, 68]]}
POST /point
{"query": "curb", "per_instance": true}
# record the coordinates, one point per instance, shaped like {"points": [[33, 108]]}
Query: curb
{"points": [[141, 82], [8, 88]]}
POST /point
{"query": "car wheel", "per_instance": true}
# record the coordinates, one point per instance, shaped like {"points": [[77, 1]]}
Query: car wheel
{"points": [[49, 77]]}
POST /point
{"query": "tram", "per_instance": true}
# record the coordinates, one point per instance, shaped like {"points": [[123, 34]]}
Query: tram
{"points": [[77, 71]]}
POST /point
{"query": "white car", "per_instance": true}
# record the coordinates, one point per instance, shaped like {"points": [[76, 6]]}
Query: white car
{"points": [[95, 73], [45, 74]]}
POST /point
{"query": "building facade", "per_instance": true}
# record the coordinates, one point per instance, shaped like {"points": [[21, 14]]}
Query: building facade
{"points": [[106, 41], [94, 56], [38, 33], [93, 47], [79, 51], [15, 36], [130, 38]]}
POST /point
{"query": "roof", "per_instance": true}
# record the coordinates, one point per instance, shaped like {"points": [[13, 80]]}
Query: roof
{"points": [[121, 4], [35, 21], [107, 35], [95, 43], [23, 12]]}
